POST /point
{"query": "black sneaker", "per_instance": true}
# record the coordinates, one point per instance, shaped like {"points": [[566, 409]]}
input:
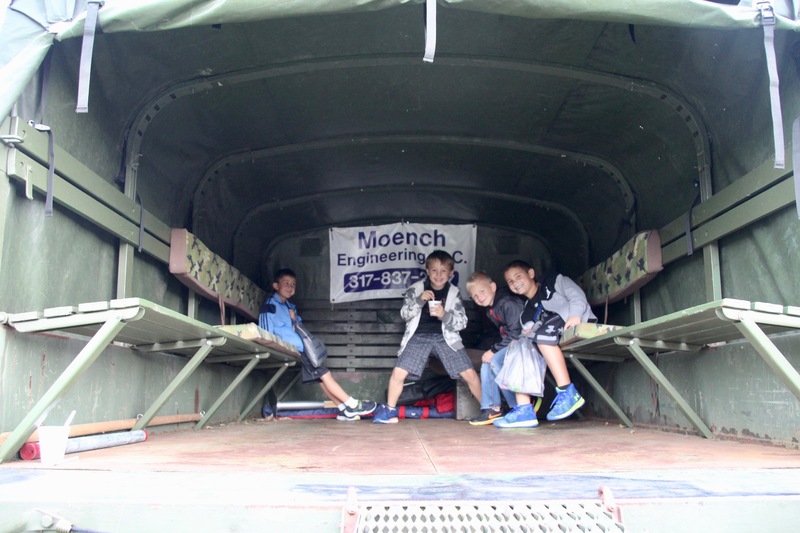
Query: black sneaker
{"points": [[486, 417]]}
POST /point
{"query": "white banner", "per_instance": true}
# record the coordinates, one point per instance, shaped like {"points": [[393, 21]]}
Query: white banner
{"points": [[382, 261]]}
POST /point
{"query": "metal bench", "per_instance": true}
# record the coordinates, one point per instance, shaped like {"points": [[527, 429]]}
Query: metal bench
{"points": [[146, 327], [693, 330]]}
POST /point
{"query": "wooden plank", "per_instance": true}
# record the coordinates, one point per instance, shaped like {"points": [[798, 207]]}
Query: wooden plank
{"points": [[363, 351], [333, 338], [24, 317], [344, 327], [339, 315], [89, 307], [361, 363], [59, 311], [391, 303]]}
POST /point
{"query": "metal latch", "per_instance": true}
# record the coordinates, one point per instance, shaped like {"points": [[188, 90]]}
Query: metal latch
{"points": [[767, 13]]}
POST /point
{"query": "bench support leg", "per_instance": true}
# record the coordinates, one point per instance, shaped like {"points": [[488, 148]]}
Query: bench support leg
{"points": [[263, 392], [673, 393], [770, 353], [600, 390], [182, 376], [224, 396], [78, 366], [289, 386]]}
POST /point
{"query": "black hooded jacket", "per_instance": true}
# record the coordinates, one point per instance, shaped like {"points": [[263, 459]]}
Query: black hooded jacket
{"points": [[504, 313]]}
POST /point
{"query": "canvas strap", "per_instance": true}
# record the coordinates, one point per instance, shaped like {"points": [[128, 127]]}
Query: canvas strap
{"points": [[767, 14], [141, 222], [795, 161], [688, 224], [85, 72], [41, 126], [430, 30]]}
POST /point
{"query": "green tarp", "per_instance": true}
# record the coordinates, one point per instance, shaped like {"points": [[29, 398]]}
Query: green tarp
{"points": [[30, 25]]}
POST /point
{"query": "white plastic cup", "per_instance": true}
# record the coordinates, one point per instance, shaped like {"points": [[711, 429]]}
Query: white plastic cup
{"points": [[52, 444], [434, 303]]}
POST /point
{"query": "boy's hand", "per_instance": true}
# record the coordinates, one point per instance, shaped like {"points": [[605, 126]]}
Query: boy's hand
{"points": [[572, 322], [427, 295], [487, 356]]}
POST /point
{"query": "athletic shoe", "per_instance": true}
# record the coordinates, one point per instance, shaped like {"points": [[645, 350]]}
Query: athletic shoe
{"points": [[485, 418], [362, 408], [522, 416], [385, 415], [567, 401], [343, 415]]}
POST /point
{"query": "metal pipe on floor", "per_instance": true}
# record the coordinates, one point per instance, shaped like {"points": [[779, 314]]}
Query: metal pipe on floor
{"points": [[31, 451]]}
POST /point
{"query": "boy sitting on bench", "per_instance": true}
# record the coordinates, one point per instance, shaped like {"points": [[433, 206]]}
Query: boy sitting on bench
{"points": [[554, 303], [278, 316]]}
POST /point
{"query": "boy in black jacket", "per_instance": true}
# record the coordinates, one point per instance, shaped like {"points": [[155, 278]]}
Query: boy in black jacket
{"points": [[504, 310]]}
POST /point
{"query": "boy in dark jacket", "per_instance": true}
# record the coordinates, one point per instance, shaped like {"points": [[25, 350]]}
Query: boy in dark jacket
{"points": [[503, 309]]}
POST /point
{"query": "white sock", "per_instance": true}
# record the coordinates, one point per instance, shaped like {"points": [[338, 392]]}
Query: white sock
{"points": [[351, 402], [340, 407]]}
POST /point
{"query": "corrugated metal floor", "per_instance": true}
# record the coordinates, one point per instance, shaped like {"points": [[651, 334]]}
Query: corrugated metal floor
{"points": [[272, 475]]}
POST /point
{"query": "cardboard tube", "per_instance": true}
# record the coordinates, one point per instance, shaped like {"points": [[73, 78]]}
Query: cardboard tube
{"points": [[94, 428]]}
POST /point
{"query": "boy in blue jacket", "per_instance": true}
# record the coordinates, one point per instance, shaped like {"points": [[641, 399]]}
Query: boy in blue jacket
{"points": [[278, 316]]}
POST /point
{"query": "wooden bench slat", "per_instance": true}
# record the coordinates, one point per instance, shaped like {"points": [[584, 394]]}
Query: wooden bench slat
{"points": [[344, 327], [361, 363], [355, 338], [66, 310], [363, 351], [336, 315], [305, 305]]}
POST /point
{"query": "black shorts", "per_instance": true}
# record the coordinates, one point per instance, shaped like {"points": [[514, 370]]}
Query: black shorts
{"points": [[308, 373], [549, 333]]}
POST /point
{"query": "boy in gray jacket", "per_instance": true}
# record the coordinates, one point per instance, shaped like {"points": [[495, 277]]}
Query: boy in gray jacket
{"points": [[434, 315]]}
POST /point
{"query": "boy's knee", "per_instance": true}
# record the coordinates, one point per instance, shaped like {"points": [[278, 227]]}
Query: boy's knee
{"points": [[470, 375], [547, 349], [398, 374]]}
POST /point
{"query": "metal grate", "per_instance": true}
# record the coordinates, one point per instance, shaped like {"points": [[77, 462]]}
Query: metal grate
{"points": [[486, 517]]}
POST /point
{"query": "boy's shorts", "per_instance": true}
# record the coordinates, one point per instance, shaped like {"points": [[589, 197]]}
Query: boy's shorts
{"points": [[308, 373], [549, 333], [419, 348]]}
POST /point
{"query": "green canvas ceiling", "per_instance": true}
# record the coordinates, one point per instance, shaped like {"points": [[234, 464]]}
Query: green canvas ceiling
{"points": [[249, 122]]}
